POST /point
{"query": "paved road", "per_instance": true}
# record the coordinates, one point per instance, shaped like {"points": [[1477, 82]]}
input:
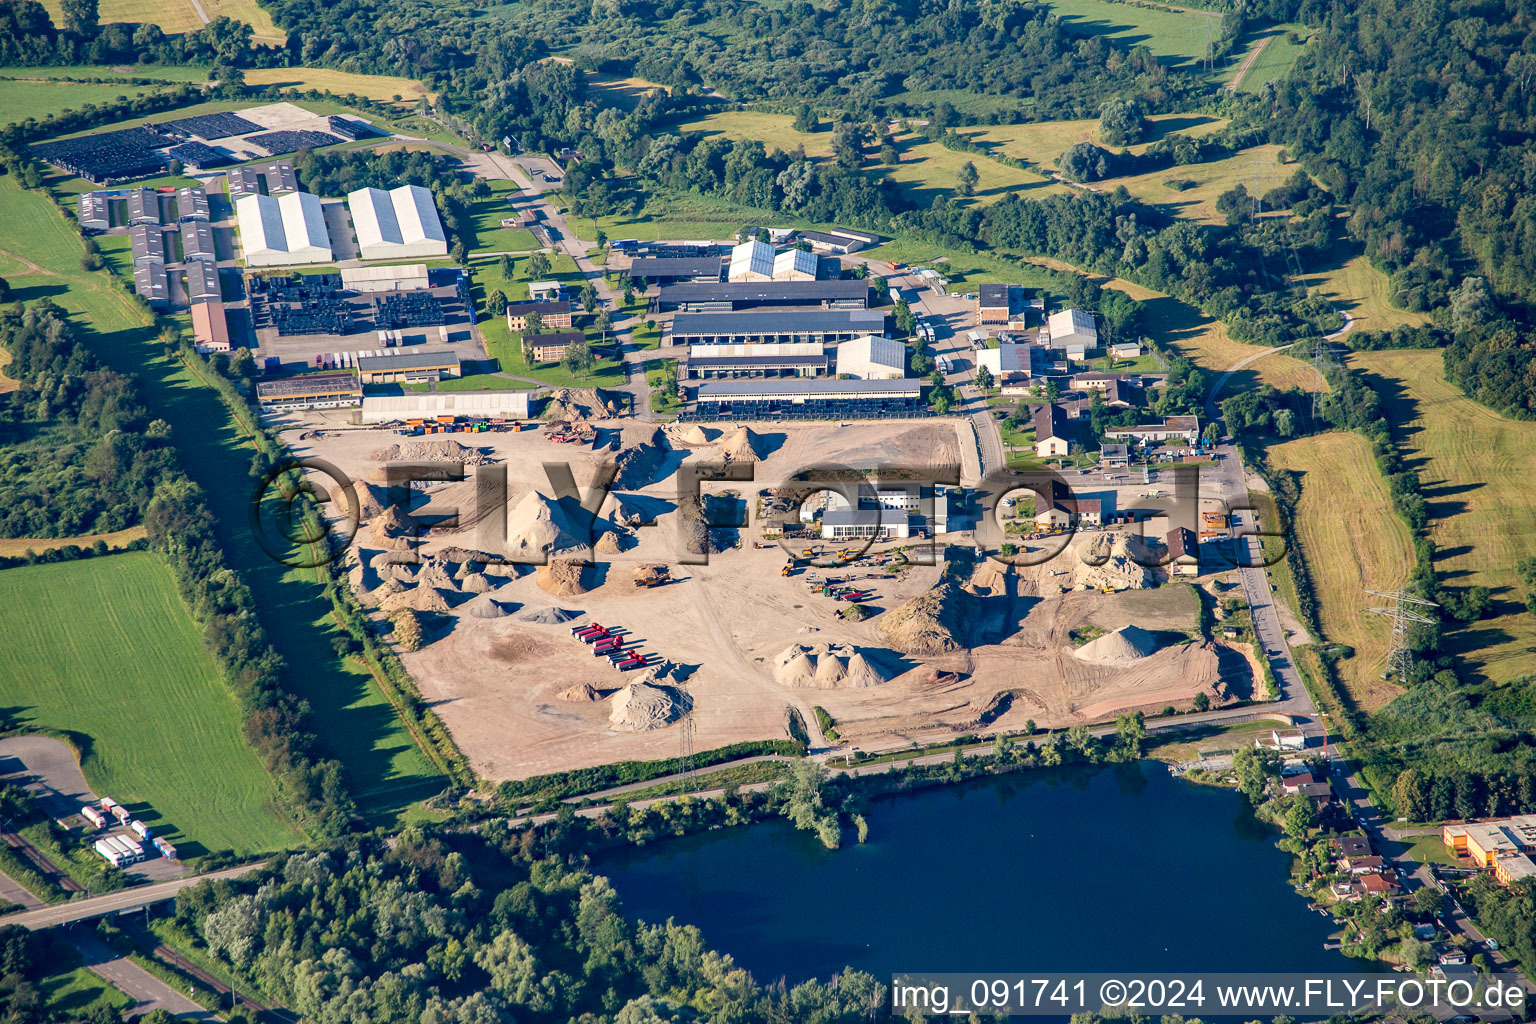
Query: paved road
{"points": [[13, 891], [148, 992], [116, 902]]}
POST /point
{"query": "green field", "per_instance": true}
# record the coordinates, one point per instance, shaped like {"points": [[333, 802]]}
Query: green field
{"points": [[505, 345], [75, 992], [488, 213], [163, 72], [1275, 59], [352, 716], [1174, 35], [105, 650], [20, 100]]}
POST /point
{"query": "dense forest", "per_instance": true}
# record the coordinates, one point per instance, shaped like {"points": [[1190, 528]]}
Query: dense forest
{"points": [[1421, 117]]}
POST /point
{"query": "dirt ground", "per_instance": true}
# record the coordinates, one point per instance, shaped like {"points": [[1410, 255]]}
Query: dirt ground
{"points": [[497, 683]]}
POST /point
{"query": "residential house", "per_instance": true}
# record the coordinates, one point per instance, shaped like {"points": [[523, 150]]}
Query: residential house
{"points": [[550, 348], [1183, 552], [1050, 431]]}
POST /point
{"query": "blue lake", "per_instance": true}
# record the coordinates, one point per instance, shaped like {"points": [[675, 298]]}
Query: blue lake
{"points": [[1105, 869]]}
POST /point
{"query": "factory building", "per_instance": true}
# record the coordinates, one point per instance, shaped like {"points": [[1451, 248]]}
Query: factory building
{"points": [[203, 282], [511, 405], [409, 277], [151, 281], [408, 367], [1072, 330], [148, 243], [755, 362], [1006, 363], [278, 231], [824, 327], [272, 179], [197, 241], [95, 211], [796, 265], [210, 328], [191, 203], [143, 206], [798, 399], [751, 261], [310, 391], [399, 224], [731, 295], [872, 358], [672, 269]]}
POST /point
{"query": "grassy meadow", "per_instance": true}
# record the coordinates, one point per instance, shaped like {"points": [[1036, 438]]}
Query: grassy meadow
{"points": [[1177, 35], [504, 345], [23, 100], [1274, 60], [381, 88], [175, 16], [351, 715], [104, 649], [1353, 542], [1476, 467], [1354, 285]]}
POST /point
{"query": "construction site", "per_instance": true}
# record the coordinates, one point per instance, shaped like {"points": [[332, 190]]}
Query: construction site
{"points": [[566, 626]]}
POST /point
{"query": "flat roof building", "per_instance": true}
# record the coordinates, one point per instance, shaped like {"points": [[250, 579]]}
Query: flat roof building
{"points": [[399, 224], [151, 281], [271, 179], [803, 399], [671, 269], [403, 367], [695, 297], [872, 358], [210, 327], [995, 303], [511, 405], [864, 524], [191, 203], [409, 277], [95, 211], [148, 242], [1005, 361], [836, 242], [821, 326], [197, 241], [723, 367], [203, 282], [277, 231], [1186, 427], [310, 391]]}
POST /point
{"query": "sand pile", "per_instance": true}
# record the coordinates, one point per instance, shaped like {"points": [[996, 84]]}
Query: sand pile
{"points": [[539, 526], [641, 459], [434, 575], [549, 616], [385, 589], [861, 673], [486, 607], [393, 529], [1125, 646], [476, 583], [562, 578], [383, 558], [576, 404], [1120, 571], [630, 515], [608, 544], [422, 599], [466, 569], [401, 571], [640, 707], [829, 672], [823, 666], [692, 435], [799, 671], [741, 445], [582, 693], [988, 579], [929, 624], [438, 450]]}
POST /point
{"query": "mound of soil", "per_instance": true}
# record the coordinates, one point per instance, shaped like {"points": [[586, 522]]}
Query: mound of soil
{"points": [[929, 624], [562, 578], [608, 544], [540, 526], [693, 435], [640, 707], [582, 693], [438, 450], [577, 404], [639, 460], [476, 583], [829, 672], [1125, 646], [740, 445], [434, 575], [486, 607], [549, 616], [862, 673], [419, 598]]}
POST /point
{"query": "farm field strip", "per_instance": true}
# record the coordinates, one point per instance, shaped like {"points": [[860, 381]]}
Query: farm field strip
{"points": [[1353, 541]]}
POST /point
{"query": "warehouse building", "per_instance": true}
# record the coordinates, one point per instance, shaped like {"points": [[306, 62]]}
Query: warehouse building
{"points": [[272, 179], [510, 405], [838, 241], [1007, 363], [203, 282], [1072, 330], [552, 314], [550, 348], [151, 281], [719, 298], [310, 391], [409, 277], [671, 269], [192, 203], [408, 367], [872, 358], [995, 303], [95, 211], [143, 206], [210, 328], [751, 261], [197, 241], [808, 400], [148, 242], [755, 364], [796, 265], [399, 224], [278, 231], [824, 327]]}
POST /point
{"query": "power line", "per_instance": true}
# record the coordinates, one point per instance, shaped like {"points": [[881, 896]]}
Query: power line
{"points": [[1402, 612]]}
